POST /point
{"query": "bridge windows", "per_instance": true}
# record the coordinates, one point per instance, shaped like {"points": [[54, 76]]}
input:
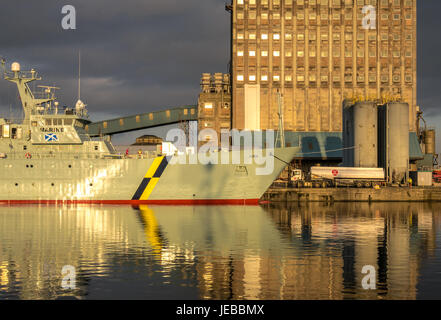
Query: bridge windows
{"points": [[79, 124]]}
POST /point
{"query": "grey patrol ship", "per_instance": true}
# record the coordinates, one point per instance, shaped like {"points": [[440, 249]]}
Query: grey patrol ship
{"points": [[48, 157]]}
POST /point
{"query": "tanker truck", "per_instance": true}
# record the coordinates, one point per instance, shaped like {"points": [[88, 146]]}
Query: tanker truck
{"points": [[342, 176]]}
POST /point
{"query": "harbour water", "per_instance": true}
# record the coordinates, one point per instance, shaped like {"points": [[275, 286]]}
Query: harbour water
{"points": [[295, 251]]}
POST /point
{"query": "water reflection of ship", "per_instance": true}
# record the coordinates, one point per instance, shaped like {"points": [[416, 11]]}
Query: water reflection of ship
{"points": [[317, 253], [236, 252], [37, 241]]}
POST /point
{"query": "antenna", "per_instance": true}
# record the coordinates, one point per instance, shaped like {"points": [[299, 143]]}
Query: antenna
{"points": [[80, 106], [79, 75], [2, 64]]}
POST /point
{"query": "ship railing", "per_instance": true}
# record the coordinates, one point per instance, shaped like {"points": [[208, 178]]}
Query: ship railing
{"points": [[59, 156], [143, 155]]}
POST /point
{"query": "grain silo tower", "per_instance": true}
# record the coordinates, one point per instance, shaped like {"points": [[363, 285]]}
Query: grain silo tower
{"points": [[360, 134], [393, 141]]}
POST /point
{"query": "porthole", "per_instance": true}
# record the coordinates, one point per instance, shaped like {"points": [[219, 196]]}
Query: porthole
{"points": [[52, 184], [70, 166], [16, 184]]}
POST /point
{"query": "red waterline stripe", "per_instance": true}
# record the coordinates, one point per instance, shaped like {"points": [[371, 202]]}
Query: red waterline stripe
{"points": [[139, 202]]}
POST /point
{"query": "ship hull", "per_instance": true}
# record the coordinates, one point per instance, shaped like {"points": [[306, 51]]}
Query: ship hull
{"points": [[161, 180]]}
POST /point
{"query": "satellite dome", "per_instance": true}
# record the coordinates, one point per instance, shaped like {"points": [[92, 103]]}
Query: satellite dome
{"points": [[80, 105], [15, 67]]}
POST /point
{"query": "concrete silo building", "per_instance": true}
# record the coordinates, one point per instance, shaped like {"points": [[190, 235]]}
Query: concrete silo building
{"points": [[316, 54]]}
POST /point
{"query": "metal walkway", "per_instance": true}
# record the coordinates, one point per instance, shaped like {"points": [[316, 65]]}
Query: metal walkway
{"points": [[143, 121]]}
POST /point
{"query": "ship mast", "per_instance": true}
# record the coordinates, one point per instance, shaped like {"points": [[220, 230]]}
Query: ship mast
{"points": [[79, 106], [29, 103]]}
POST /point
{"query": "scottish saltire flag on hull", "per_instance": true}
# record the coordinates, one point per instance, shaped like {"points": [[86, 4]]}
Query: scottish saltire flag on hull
{"points": [[50, 137]]}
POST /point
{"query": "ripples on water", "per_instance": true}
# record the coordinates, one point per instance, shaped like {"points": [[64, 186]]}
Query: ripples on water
{"points": [[221, 252]]}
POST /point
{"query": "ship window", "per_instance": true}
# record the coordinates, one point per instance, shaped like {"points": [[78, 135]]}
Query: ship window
{"points": [[96, 148], [79, 124], [67, 122], [48, 122]]}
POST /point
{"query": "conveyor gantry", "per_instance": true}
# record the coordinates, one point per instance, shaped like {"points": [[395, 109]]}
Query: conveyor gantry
{"points": [[143, 121]]}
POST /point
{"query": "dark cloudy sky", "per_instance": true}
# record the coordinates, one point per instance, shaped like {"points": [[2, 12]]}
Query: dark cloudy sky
{"points": [[143, 55]]}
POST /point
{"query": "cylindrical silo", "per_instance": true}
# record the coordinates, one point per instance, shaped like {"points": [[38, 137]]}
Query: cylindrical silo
{"points": [[395, 134], [429, 141], [360, 122]]}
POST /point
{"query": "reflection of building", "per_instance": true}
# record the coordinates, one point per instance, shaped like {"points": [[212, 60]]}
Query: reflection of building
{"points": [[315, 54], [214, 105], [232, 252]]}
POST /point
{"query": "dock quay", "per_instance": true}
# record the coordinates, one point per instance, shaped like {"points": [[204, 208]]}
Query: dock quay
{"points": [[330, 195]]}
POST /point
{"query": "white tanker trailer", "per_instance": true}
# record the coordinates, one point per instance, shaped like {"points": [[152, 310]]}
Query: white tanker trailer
{"points": [[344, 176]]}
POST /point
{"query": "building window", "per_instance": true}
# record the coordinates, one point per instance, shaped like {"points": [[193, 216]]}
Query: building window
{"points": [[264, 78], [252, 78], [276, 36], [252, 53], [208, 105], [276, 53], [264, 53], [240, 77], [276, 78], [264, 36], [240, 53], [252, 36]]}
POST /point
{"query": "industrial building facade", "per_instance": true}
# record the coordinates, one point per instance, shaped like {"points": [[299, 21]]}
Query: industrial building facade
{"points": [[214, 106], [316, 54]]}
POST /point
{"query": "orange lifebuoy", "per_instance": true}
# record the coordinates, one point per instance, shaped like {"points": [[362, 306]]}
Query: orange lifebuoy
{"points": [[28, 155]]}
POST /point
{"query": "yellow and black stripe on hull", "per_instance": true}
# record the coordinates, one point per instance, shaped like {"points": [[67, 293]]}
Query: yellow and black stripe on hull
{"points": [[150, 180]]}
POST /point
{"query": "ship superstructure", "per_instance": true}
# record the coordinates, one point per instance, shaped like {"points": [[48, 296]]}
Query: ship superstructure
{"points": [[48, 157]]}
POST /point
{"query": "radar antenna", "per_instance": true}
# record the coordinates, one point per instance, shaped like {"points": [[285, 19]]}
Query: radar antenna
{"points": [[80, 106]]}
